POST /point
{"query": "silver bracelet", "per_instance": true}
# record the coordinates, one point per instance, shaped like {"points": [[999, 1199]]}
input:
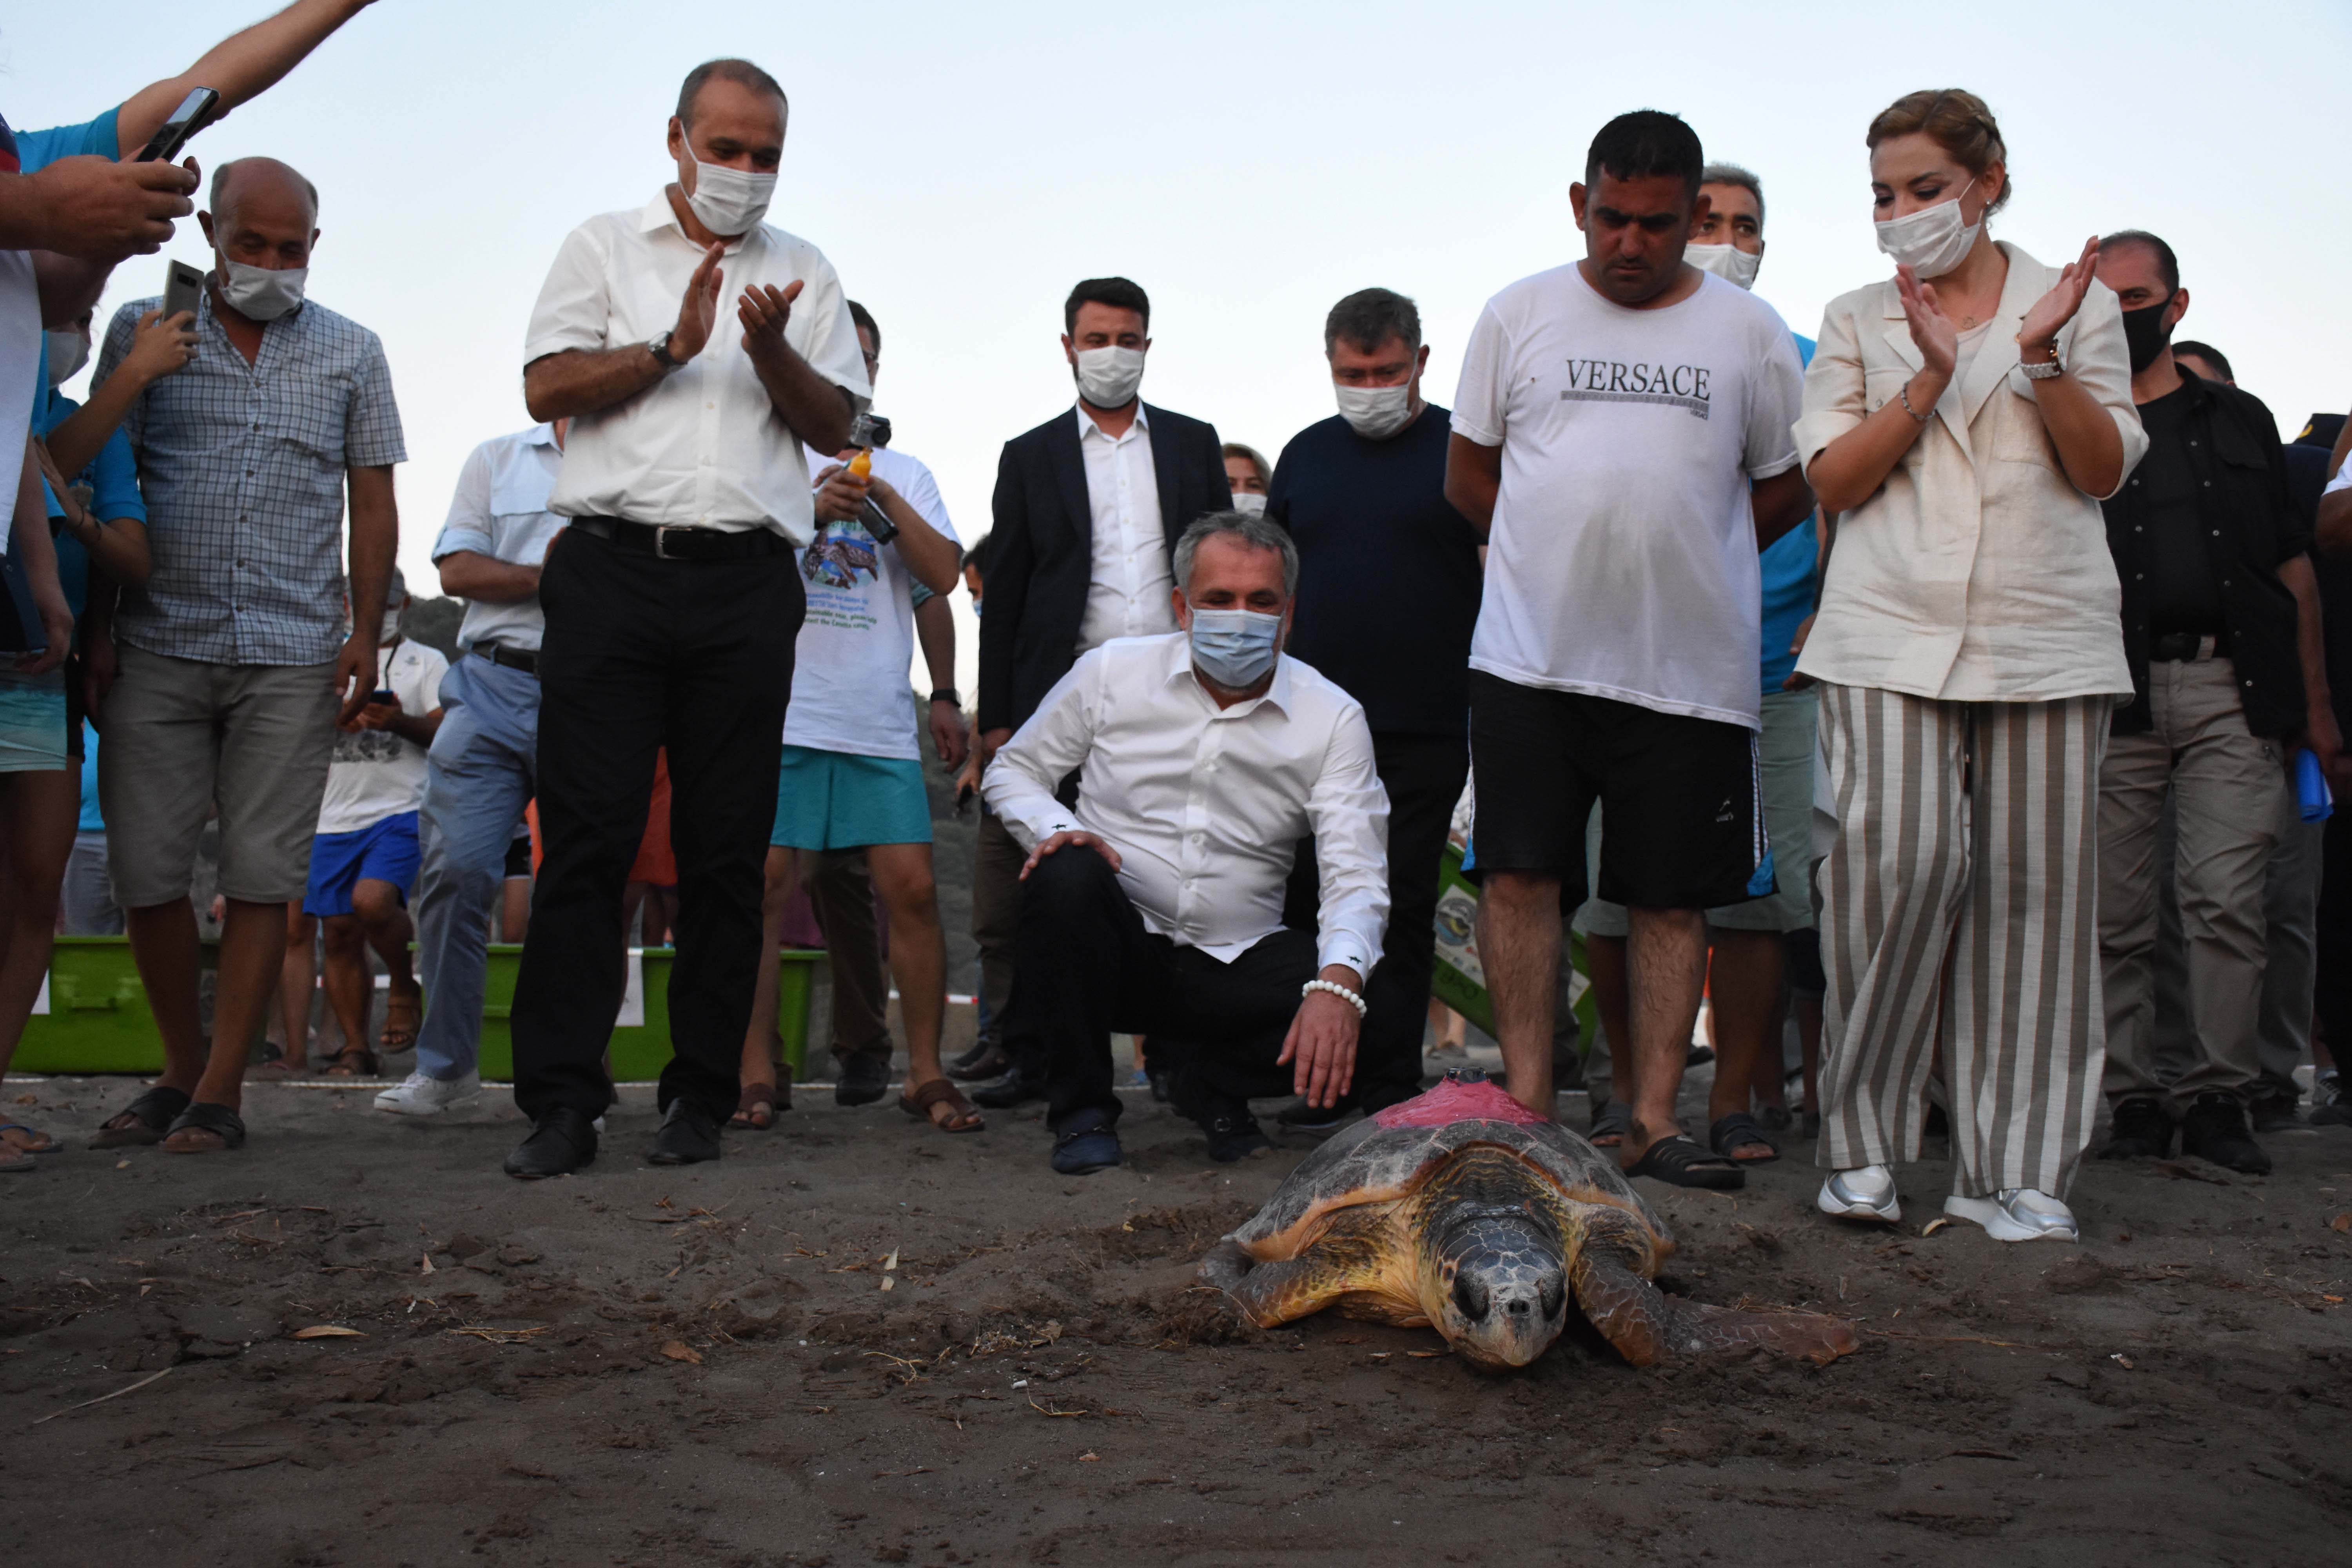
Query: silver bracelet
{"points": [[1904, 392], [1337, 990]]}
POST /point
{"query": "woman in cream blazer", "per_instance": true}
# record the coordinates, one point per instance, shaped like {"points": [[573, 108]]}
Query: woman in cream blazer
{"points": [[1964, 418]]}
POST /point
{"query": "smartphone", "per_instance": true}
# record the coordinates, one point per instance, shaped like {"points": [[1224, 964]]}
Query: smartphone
{"points": [[183, 286], [196, 112], [383, 695]]}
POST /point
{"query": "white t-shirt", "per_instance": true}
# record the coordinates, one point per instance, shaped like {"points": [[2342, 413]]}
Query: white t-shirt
{"points": [[1623, 559], [850, 667], [375, 773]]}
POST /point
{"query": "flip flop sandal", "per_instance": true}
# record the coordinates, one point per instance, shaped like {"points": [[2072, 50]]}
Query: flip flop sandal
{"points": [[1609, 1125], [400, 1037], [1741, 1131], [755, 1099], [343, 1066], [47, 1145], [152, 1115], [1680, 1162], [939, 1091], [13, 1163], [203, 1116]]}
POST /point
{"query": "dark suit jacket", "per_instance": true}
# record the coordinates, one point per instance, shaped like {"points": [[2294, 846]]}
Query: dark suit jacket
{"points": [[1041, 550]]}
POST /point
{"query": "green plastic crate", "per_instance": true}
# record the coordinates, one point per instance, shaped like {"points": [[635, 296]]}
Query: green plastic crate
{"points": [[639, 1053], [99, 1020]]}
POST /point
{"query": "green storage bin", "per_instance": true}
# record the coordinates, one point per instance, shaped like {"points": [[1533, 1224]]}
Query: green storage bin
{"points": [[1460, 981], [639, 1053]]}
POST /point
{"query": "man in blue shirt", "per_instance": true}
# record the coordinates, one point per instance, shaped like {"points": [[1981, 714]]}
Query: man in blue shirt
{"points": [[1765, 947]]}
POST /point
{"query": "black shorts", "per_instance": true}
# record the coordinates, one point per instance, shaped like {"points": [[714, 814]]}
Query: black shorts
{"points": [[1682, 797], [519, 859]]}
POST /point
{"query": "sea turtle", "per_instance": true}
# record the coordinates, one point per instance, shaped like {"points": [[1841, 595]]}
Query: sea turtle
{"points": [[1464, 1210]]}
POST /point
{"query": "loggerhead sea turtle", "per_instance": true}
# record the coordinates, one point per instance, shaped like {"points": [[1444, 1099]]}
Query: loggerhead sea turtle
{"points": [[1464, 1209]]}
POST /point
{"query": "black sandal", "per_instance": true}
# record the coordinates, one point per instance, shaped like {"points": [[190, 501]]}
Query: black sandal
{"points": [[1741, 1131], [152, 1115], [203, 1116], [1609, 1125], [1676, 1160]]}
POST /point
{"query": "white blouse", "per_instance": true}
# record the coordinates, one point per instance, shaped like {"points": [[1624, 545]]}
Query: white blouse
{"points": [[1977, 572]]}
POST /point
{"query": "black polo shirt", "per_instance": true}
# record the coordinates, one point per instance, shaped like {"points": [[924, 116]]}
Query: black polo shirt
{"points": [[1387, 571], [2223, 445]]}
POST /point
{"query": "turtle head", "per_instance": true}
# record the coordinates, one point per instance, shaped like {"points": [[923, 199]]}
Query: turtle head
{"points": [[1502, 1284]]}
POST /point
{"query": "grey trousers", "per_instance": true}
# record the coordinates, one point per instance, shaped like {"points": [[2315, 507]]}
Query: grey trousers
{"points": [[2291, 913], [2225, 785], [1957, 932], [88, 893]]}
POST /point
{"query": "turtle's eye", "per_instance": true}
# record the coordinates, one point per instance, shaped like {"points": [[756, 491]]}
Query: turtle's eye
{"points": [[1554, 1293], [1470, 1296]]}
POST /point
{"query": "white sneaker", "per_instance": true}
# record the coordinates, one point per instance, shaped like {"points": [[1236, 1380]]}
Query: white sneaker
{"points": [[2017, 1214], [1866, 1192], [418, 1095]]}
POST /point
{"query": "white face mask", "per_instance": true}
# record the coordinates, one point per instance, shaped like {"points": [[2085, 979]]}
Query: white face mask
{"points": [[1249, 502], [729, 201], [1107, 377], [1727, 262], [69, 351], [390, 632], [1375, 412], [262, 293], [1932, 240]]}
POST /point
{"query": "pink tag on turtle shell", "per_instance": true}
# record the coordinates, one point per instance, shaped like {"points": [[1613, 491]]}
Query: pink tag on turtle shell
{"points": [[1454, 1101]]}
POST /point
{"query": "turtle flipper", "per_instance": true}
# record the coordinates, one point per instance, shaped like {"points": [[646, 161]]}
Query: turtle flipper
{"points": [[1270, 1293], [1647, 1325]]}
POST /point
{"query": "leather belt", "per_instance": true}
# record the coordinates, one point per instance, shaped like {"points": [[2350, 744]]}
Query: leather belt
{"points": [[672, 541], [524, 659], [2188, 647]]}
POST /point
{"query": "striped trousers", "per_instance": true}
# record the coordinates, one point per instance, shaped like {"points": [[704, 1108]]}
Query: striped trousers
{"points": [[1959, 933]]}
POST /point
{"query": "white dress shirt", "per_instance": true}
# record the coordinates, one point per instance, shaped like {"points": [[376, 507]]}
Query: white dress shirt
{"points": [[1127, 592], [500, 511], [1206, 807], [704, 447]]}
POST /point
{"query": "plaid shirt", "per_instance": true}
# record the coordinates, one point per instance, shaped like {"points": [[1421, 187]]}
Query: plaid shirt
{"points": [[243, 466]]}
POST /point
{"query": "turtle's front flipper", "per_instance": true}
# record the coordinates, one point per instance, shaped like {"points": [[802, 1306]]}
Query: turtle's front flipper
{"points": [[1647, 1325], [1271, 1293]]}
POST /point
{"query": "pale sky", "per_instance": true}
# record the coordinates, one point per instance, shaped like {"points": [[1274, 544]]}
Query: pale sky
{"points": [[1248, 164]]}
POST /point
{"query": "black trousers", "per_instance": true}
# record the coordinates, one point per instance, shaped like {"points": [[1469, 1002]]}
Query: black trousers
{"points": [[1088, 966], [1424, 776], [642, 654]]}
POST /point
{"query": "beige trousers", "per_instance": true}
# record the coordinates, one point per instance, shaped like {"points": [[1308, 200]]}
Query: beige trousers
{"points": [[2228, 787], [1959, 933]]}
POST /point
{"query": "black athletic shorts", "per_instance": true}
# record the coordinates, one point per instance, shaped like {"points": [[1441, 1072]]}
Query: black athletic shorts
{"points": [[1681, 795]]}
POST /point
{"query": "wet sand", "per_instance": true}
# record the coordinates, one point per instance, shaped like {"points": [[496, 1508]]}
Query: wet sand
{"points": [[721, 1365]]}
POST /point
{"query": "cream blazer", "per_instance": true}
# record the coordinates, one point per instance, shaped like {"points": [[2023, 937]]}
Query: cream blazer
{"points": [[1977, 572]]}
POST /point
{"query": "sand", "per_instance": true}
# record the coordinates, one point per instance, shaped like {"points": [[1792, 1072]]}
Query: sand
{"points": [[722, 1365]]}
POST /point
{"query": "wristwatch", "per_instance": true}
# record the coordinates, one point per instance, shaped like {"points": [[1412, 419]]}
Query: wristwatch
{"points": [[949, 695], [659, 348], [2045, 369]]}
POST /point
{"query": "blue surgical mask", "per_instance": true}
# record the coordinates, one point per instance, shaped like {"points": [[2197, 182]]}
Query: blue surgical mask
{"points": [[1234, 648]]}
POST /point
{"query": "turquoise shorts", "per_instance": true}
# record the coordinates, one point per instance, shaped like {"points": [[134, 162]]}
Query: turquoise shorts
{"points": [[836, 800], [33, 723]]}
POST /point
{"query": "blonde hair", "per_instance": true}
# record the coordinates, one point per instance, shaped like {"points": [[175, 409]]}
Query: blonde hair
{"points": [[1955, 120]]}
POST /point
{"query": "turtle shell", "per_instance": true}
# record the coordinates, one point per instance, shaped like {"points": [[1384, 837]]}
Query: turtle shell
{"points": [[1386, 1156]]}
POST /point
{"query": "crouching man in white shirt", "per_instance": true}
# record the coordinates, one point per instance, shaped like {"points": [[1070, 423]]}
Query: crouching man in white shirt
{"points": [[1154, 906]]}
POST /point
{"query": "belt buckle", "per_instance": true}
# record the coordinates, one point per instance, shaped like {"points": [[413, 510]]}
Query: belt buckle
{"points": [[661, 541]]}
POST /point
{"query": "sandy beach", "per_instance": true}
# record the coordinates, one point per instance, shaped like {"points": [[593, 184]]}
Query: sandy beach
{"points": [[857, 1341]]}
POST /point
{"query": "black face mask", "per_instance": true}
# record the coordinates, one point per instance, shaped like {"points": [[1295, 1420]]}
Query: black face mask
{"points": [[2146, 334]]}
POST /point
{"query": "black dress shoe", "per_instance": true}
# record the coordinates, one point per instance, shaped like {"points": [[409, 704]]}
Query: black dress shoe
{"points": [[1299, 1116], [862, 1080], [2215, 1128], [1233, 1132], [687, 1137], [2142, 1130], [561, 1142], [1014, 1088], [984, 1060]]}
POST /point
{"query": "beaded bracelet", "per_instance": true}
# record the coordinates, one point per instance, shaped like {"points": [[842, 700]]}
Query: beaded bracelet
{"points": [[1337, 990], [1904, 392]]}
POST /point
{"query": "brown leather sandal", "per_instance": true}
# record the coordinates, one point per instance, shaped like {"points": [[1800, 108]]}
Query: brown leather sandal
{"points": [[757, 1104], [939, 1091], [354, 1061]]}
